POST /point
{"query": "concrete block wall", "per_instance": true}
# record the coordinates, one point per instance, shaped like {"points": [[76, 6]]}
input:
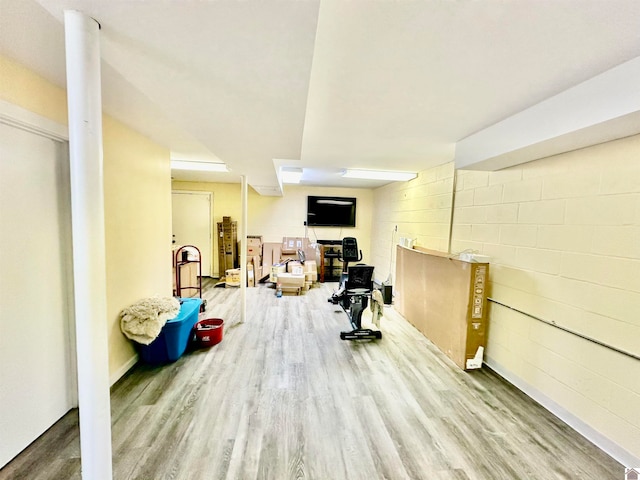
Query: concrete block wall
{"points": [[563, 234], [420, 208]]}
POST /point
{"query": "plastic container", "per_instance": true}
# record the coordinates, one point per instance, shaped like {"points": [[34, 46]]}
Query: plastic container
{"points": [[208, 332], [174, 336]]}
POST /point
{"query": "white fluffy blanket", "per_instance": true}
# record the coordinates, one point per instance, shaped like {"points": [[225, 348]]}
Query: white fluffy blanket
{"points": [[377, 307], [143, 321]]}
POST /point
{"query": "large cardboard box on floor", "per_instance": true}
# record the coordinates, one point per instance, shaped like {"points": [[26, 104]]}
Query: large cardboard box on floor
{"points": [[445, 298], [291, 282]]}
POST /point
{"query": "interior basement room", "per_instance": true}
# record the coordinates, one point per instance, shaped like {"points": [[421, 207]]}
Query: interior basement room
{"points": [[319, 239]]}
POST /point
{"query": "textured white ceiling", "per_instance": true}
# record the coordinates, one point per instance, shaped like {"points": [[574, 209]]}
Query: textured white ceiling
{"points": [[327, 84]]}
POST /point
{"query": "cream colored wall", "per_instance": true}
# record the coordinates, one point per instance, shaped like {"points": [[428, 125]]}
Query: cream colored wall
{"points": [[22, 87], [420, 208], [137, 184], [277, 217], [137, 204], [563, 234]]}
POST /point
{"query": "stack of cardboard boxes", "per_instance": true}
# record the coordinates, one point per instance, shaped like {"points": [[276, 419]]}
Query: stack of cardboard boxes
{"points": [[227, 245], [286, 267], [280, 261], [254, 259]]}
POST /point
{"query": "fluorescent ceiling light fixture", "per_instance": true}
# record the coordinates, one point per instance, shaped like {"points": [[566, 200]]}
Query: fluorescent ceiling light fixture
{"points": [[198, 166], [290, 174], [380, 175]]}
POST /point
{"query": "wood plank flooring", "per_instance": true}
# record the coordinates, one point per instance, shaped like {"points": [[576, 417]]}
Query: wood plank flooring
{"points": [[282, 397]]}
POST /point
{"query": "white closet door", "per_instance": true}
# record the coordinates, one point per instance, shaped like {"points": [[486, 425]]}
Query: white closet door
{"points": [[191, 214], [36, 372]]}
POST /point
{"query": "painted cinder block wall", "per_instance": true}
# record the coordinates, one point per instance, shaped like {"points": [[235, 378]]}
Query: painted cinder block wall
{"points": [[421, 210], [563, 234]]}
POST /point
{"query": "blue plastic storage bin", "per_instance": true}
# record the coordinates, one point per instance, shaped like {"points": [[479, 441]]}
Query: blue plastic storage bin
{"points": [[174, 337]]}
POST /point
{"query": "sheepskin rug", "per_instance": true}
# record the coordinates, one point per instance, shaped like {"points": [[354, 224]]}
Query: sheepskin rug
{"points": [[143, 321]]}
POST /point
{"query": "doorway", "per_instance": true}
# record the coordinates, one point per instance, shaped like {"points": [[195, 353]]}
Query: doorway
{"points": [[191, 221], [37, 359]]}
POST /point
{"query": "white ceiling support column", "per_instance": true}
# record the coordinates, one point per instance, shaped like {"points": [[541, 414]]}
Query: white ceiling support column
{"points": [[243, 251], [87, 210]]}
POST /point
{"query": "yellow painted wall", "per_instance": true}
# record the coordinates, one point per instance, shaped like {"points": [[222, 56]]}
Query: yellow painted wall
{"points": [[277, 217], [137, 204], [137, 184], [563, 234], [420, 208], [22, 87]]}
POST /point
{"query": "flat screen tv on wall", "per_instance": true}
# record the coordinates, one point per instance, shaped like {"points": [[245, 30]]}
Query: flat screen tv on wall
{"points": [[331, 211]]}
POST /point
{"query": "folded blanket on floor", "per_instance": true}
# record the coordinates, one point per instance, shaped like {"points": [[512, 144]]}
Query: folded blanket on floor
{"points": [[143, 321]]}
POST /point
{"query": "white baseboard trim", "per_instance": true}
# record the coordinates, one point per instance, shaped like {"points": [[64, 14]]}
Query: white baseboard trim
{"points": [[118, 374], [623, 456]]}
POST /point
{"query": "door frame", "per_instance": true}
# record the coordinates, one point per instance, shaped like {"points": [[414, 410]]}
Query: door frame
{"points": [[209, 195]]}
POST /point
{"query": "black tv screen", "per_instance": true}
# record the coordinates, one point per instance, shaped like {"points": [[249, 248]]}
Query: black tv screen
{"points": [[331, 211]]}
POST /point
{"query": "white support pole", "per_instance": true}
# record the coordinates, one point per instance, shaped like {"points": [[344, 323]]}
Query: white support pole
{"points": [[243, 251], [89, 269]]}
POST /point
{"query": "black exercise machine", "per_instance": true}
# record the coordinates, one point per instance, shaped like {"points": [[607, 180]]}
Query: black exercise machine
{"points": [[356, 285]]}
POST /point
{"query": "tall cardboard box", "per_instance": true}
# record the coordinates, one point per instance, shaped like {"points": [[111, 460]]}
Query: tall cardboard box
{"points": [[250, 276], [445, 298], [227, 245], [271, 253]]}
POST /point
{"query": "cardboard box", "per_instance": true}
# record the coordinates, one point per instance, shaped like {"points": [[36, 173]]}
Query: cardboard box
{"points": [[254, 240], [311, 271], [291, 280], [295, 267], [232, 277], [291, 257], [271, 253], [251, 281], [293, 244], [254, 250], [256, 261], [446, 299], [275, 271]]}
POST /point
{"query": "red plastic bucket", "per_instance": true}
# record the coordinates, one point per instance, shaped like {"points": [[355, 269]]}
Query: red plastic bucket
{"points": [[208, 332]]}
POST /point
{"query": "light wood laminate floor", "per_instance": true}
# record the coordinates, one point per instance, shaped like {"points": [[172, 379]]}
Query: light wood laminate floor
{"points": [[282, 397]]}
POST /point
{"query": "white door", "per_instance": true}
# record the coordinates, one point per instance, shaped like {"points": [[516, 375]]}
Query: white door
{"points": [[191, 214], [36, 357]]}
